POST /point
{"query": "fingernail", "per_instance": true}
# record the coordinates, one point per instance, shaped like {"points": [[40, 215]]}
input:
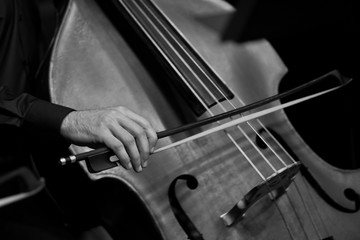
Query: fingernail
{"points": [[152, 150], [139, 169], [128, 167], [145, 164]]}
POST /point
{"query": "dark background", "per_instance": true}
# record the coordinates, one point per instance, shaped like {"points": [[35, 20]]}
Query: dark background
{"points": [[312, 38]]}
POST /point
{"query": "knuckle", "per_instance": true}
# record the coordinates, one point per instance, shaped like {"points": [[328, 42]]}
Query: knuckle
{"points": [[102, 120], [119, 148], [147, 125], [152, 140], [129, 140], [107, 120], [140, 133], [153, 137], [119, 109], [108, 116]]}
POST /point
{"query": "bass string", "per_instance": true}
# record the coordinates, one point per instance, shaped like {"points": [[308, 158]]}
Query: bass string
{"points": [[325, 231], [272, 150], [234, 142], [283, 150], [200, 99], [194, 92], [253, 165], [214, 98], [232, 139], [297, 189], [315, 209], [204, 86], [264, 158], [241, 130], [282, 161], [163, 54], [277, 157], [259, 152]]}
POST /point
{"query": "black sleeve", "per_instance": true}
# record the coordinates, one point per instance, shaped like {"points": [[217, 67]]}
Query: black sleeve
{"points": [[30, 112]]}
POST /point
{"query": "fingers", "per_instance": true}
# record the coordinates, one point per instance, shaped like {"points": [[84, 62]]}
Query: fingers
{"points": [[131, 142], [137, 136], [149, 130], [118, 148], [146, 136], [128, 135]]}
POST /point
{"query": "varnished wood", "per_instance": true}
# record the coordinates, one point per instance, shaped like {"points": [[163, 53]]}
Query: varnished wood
{"points": [[93, 66]]}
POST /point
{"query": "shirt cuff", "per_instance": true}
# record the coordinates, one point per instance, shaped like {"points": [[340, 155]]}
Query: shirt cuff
{"points": [[44, 115]]}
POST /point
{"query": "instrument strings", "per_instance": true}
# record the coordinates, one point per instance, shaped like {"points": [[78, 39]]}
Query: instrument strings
{"points": [[223, 108], [240, 129]]}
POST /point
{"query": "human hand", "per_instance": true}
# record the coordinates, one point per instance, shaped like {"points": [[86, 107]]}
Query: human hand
{"points": [[127, 134]]}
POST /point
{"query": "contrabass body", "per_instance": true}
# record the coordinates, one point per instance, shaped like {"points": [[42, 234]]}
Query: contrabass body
{"points": [[94, 65]]}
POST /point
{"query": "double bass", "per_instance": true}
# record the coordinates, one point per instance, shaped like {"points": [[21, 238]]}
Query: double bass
{"points": [[241, 183]]}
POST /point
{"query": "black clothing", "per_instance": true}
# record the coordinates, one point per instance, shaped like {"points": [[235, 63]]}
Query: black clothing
{"points": [[29, 123], [26, 115], [35, 218]]}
